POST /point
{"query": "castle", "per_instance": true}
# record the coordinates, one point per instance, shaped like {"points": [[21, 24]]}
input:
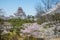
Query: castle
{"points": [[20, 13]]}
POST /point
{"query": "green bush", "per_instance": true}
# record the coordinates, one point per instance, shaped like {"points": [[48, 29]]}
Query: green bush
{"points": [[39, 21]]}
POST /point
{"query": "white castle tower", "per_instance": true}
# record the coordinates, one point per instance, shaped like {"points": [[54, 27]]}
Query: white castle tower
{"points": [[20, 13]]}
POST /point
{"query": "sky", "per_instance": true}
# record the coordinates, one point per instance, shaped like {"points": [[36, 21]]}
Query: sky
{"points": [[10, 6]]}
